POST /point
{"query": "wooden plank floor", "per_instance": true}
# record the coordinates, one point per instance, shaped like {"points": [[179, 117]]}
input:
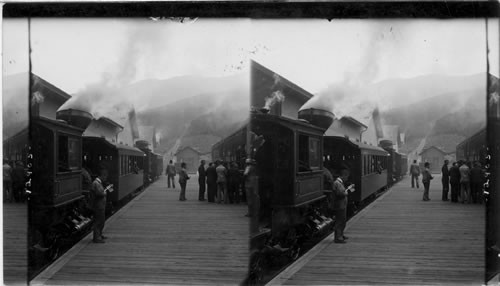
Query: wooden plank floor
{"points": [[400, 240], [15, 234], [160, 240]]}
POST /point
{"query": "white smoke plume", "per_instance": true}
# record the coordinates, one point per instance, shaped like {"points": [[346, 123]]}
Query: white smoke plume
{"points": [[158, 137], [277, 95], [103, 98], [350, 96], [37, 98]]}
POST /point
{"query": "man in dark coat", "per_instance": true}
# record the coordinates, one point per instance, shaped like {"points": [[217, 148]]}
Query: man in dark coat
{"points": [[211, 174], [476, 182], [454, 181], [415, 172], [234, 181], [170, 172], [445, 180], [340, 193], [202, 178], [426, 180], [99, 205]]}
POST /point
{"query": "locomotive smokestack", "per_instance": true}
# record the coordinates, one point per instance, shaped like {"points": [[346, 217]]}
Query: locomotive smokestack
{"points": [[318, 117], [386, 144], [78, 118]]}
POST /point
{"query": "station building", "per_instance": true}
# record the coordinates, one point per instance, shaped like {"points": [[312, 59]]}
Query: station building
{"points": [[190, 156], [433, 155]]}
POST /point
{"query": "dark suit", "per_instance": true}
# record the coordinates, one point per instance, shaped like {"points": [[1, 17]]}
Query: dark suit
{"points": [[445, 180], [233, 187], [202, 178], [476, 183], [99, 206], [455, 183], [340, 208], [211, 174]]}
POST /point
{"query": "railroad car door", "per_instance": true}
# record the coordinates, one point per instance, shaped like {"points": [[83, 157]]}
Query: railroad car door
{"points": [[309, 166], [57, 150]]}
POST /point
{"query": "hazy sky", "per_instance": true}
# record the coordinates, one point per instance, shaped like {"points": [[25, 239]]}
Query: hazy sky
{"points": [[73, 53]]}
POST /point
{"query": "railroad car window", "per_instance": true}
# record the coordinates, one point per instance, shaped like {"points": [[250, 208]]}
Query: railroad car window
{"points": [[127, 169], [370, 165], [365, 164], [314, 154], [304, 153], [68, 153]]}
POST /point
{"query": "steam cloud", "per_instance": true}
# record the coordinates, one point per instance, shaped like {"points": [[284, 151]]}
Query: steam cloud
{"points": [[277, 95], [350, 96], [103, 98]]}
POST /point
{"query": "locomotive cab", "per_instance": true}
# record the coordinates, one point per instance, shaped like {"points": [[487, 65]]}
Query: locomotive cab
{"points": [[58, 176], [290, 169]]}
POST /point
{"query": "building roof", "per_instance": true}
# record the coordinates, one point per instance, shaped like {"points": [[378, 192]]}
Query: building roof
{"points": [[432, 147], [185, 148], [353, 120], [111, 122], [56, 93], [285, 82]]}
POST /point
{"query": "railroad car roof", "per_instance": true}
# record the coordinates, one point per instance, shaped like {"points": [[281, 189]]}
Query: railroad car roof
{"points": [[60, 123], [360, 145], [287, 121], [478, 134], [115, 145]]}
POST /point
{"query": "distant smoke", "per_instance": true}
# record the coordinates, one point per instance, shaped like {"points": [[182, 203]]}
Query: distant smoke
{"points": [[103, 98], [158, 137], [133, 123], [277, 95], [350, 96]]}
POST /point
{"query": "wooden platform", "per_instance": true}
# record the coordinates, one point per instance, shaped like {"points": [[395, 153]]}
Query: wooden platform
{"points": [[400, 239], [156, 239], [15, 234]]}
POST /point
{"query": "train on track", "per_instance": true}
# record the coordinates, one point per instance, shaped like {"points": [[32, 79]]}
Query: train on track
{"points": [[59, 202], [473, 148], [291, 156], [484, 147]]}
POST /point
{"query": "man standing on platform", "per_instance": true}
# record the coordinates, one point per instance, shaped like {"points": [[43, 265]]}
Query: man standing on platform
{"points": [[415, 172], [340, 205], [445, 180], [426, 180], [464, 183], [170, 172], [476, 182], [211, 182], [99, 204], [202, 180], [221, 183], [455, 182]]}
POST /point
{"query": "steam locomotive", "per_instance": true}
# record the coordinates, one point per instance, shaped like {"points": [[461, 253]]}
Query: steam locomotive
{"points": [[59, 206], [290, 157]]}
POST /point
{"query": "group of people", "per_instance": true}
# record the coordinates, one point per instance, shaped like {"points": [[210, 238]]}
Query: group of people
{"points": [[221, 181], [13, 181], [466, 181]]}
